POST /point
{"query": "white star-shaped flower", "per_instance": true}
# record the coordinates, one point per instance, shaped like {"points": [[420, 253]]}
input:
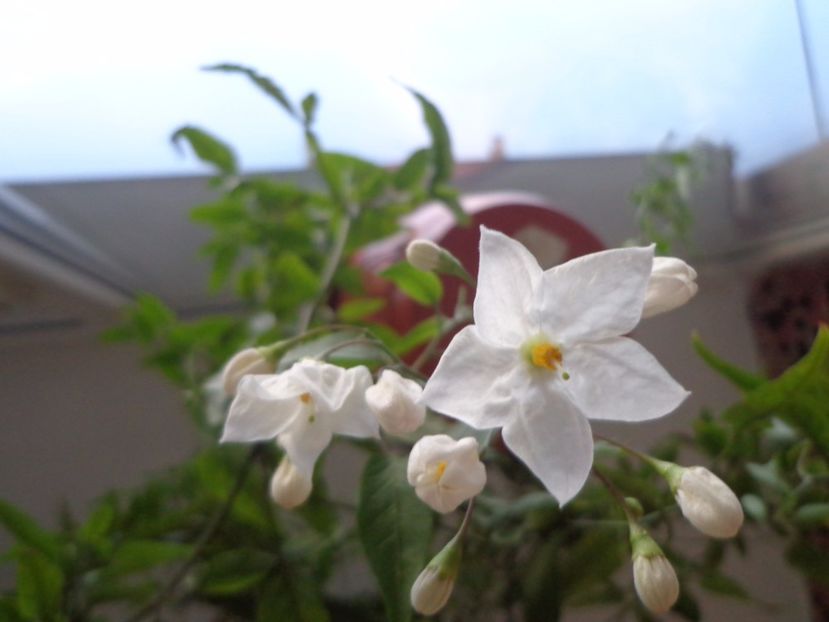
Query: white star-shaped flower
{"points": [[302, 408], [547, 352]]}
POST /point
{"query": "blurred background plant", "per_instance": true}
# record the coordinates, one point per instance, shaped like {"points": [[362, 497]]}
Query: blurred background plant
{"points": [[205, 539]]}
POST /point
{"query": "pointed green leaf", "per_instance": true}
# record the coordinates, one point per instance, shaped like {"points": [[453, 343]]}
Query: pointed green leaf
{"points": [[39, 587], [395, 528], [420, 286], [265, 84], [441, 143], [26, 531], [740, 378], [309, 107], [207, 148]]}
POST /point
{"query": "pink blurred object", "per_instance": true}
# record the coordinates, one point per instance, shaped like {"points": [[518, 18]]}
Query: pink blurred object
{"points": [[550, 235]]}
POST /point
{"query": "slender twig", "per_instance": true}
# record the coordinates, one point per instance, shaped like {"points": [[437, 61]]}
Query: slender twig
{"points": [[466, 518], [206, 535], [306, 313], [614, 492]]}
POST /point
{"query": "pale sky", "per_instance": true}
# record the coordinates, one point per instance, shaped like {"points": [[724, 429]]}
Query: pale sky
{"points": [[93, 88]]}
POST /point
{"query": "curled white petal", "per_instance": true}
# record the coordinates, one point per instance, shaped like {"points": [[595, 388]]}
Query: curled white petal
{"points": [[246, 362], [289, 487], [655, 581], [394, 400], [708, 503], [445, 472], [672, 283]]}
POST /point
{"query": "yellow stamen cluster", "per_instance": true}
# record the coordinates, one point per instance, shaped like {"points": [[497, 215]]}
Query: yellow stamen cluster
{"points": [[545, 355]]}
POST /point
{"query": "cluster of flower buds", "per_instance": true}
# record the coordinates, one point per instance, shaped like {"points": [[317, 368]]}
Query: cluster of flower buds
{"points": [[708, 504]]}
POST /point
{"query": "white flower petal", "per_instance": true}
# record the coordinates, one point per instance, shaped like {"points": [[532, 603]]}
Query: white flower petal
{"points": [[474, 382], [618, 379], [305, 439], [354, 418], [554, 440], [507, 276], [263, 407], [594, 297]]}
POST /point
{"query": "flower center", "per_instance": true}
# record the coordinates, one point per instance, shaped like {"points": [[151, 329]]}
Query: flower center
{"points": [[546, 356], [440, 469], [308, 406]]}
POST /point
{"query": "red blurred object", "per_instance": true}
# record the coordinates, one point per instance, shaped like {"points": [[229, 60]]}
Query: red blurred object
{"points": [[550, 235]]}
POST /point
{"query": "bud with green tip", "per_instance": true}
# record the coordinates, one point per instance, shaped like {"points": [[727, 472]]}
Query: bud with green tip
{"points": [[427, 256], [705, 500], [434, 585], [653, 576]]}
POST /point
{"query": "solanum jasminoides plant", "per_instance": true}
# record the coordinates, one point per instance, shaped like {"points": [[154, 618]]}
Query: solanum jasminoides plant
{"points": [[487, 466]]}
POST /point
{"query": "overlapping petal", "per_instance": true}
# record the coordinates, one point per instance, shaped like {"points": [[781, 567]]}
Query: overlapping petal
{"points": [[305, 440], [353, 417], [553, 439], [594, 297], [474, 381], [618, 379], [507, 278], [264, 406]]}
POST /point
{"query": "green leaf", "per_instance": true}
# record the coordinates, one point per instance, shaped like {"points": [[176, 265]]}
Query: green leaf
{"points": [[234, 572], [441, 143], [296, 282], [754, 506], [811, 560], [813, 514], [265, 84], [359, 308], [716, 582], [740, 378], [290, 597], [450, 197], [424, 331], [395, 528], [413, 170], [798, 397], [420, 286], [26, 531], [219, 214], [309, 107], [140, 555], [207, 148], [39, 587]]}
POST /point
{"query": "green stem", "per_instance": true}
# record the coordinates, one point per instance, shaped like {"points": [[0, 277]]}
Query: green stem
{"points": [[206, 535]]}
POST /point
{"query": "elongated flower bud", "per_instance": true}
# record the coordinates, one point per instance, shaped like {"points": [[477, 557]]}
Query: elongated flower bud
{"points": [[445, 472], [671, 285], [708, 503], [394, 400], [289, 487], [434, 585], [428, 256], [653, 576], [247, 361]]}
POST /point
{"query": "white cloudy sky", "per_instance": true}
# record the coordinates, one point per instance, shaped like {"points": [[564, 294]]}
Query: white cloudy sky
{"points": [[93, 88]]}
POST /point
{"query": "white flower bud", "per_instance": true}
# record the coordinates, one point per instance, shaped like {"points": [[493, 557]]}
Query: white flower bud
{"points": [[433, 586], [424, 254], [289, 487], [671, 285], [445, 472], [394, 400], [247, 361], [655, 581], [708, 503]]}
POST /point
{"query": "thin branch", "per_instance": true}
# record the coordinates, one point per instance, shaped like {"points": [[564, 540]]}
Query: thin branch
{"points": [[206, 535]]}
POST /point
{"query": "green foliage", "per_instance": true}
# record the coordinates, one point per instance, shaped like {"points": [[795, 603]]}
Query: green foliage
{"points": [[420, 286], [395, 529], [207, 148]]}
